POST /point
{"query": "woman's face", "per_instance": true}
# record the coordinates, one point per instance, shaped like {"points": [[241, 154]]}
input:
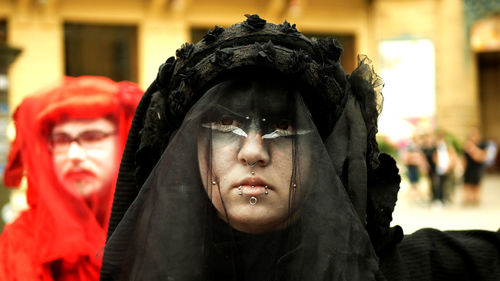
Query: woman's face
{"points": [[252, 141]]}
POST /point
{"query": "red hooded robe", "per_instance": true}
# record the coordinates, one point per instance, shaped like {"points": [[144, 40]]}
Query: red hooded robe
{"points": [[60, 237]]}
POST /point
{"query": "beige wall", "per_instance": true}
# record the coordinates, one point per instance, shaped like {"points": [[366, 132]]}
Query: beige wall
{"points": [[162, 28], [40, 62], [163, 25], [442, 22], [457, 96]]}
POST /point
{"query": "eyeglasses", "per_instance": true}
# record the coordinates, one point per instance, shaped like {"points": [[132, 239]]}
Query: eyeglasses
{"points": [[87, 139]]}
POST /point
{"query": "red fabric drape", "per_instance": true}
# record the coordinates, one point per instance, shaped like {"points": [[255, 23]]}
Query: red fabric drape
{"points": [[60, 236]]}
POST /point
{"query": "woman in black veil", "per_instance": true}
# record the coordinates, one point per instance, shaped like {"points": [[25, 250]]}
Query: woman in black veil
{"points": [[252, 156]]}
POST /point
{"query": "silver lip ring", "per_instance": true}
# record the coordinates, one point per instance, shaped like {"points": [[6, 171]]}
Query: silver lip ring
{"points": [[252, 165], [253, 200]]}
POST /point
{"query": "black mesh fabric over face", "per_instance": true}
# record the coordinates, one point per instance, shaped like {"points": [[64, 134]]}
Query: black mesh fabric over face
{"points": [[305, 228], [183, 207]]}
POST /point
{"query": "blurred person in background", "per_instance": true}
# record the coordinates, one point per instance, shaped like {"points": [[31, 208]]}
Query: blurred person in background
{"points": [[475, 155], [445, 159], [415, 162], [69, 140], [429, 151]]}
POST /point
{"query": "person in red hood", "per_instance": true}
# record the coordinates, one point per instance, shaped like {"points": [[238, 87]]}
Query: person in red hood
{"points": [[68, 144]]}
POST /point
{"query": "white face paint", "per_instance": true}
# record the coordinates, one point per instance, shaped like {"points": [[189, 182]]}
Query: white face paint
{"points": [[251, 160], [239, 131], [84, 154]]}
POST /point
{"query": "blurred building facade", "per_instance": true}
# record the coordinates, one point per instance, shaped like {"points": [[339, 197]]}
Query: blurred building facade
{"points": [[129, 39]]}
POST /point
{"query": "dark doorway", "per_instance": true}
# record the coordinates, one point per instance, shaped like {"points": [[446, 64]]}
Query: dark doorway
{"points": [[489, 97], [104, 50]]}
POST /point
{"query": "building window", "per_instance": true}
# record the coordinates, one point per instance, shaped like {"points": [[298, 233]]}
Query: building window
{"points": [[104, 50]]}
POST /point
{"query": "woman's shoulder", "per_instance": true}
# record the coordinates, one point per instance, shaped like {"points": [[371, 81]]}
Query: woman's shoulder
{"points": [[430, 254]]}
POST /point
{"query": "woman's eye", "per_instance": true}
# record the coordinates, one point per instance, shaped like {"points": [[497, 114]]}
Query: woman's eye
{"points": [[227, 121], [224, 125], [283, 124], [280, 128]]}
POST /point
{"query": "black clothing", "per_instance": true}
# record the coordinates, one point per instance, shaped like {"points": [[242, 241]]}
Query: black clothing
{"points": [[413, 173], [473, 169], [429, 254], [438, 190], [313, 198], [436, 181], [223, 254], [429, 156], [174, 220]]}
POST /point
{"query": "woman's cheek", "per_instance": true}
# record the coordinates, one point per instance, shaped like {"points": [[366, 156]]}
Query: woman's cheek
{"points": [[282, 158], [224, 156]]}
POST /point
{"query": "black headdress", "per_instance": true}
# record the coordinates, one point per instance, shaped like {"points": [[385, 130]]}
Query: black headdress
{"points": [[344, 109]]}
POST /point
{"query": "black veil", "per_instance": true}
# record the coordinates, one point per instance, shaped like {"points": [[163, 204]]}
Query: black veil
{"points": [[164, 225]]}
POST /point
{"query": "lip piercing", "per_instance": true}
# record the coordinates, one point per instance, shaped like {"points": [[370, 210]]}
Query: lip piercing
{"points": [[266, 192], [253, 186], [239, 190], [253, 200], [252, 165]]}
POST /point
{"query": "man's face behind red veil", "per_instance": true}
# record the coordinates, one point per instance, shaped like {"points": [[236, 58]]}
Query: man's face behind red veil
{"points": [[84, 154]]}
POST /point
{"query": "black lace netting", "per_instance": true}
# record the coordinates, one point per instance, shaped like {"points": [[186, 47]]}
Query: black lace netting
{"points": [[170, 228], [173, 230]]}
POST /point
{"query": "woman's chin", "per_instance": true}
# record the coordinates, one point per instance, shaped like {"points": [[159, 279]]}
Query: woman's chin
{"points": [[255, 220]]}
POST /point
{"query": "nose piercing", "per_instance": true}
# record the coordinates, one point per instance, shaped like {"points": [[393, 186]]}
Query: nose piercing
{"points": [[253, 173], [239, 191], [253, 200], [252, 165]]}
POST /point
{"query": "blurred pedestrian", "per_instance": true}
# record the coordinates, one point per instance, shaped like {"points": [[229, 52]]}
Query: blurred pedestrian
{"points": [[429, 151], [475, 154], [69, 140], [445, 159], [415, 162]]}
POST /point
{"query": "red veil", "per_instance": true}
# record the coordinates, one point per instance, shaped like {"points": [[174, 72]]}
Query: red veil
{"points": [[60, 236]]}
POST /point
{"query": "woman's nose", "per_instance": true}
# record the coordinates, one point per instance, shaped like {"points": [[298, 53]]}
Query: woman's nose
{"points": [[254, 151], [76, 152]]}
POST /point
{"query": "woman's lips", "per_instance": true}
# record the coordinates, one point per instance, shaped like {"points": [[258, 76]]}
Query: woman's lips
{"points": [[253, 190], [253, 186]]}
